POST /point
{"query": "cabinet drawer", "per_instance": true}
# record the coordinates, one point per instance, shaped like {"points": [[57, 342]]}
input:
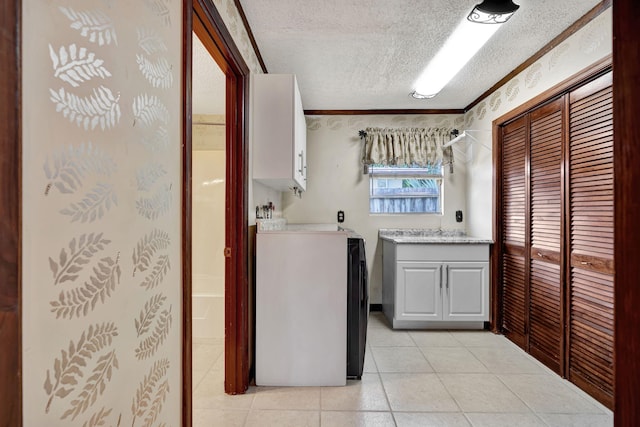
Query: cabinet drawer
{"points": [[442, 252]]}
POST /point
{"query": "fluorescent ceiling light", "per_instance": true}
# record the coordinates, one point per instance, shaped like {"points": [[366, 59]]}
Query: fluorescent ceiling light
{"points": [[466, 40]]}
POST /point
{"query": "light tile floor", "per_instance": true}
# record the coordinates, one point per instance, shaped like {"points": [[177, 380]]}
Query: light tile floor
{"points": [[412, 378]]}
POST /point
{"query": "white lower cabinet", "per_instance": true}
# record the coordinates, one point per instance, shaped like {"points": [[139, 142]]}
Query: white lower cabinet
{"points": [[422, 291]]}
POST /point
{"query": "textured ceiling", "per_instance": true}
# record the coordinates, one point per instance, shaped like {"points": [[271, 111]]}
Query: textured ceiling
{"points": [[208, 82], [367, 54]]}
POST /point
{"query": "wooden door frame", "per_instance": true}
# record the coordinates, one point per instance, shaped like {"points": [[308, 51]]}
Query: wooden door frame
{"points": [[10, 214], [201, 17]]}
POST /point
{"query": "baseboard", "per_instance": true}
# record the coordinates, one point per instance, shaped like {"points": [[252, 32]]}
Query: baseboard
{"points": [[375, 307]]}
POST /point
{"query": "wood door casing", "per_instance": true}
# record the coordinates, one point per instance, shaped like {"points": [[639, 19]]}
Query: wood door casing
{"points": [[545, 255], [591, 179]]}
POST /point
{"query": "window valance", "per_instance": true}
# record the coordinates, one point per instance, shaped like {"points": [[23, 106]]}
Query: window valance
{"points": [[406, 146]]}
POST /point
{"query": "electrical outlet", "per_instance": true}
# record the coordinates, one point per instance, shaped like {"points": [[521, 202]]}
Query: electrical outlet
{"points": [[458, 216], [340, 216]]}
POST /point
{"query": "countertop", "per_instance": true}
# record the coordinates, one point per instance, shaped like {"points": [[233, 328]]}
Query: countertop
{"points": [[421, 235]]}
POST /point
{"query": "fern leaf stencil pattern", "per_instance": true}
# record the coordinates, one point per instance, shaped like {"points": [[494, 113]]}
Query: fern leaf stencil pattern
{"points": [[147, 247], [148, 314], [149, 109], [158, 273], [149, 388], [72, 260], [157, 72], [149, 175], [155, 206], [161, 10], [69, 166], [95, 385], [100, 109], [83, 299], [158, 141], [93, 205], [70, 367], [150, 345], [98, 419], [75, 66], [94, 25], [150, 42]]}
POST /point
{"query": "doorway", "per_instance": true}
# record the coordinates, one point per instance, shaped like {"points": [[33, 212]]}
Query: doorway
{"points": [[208, 167]]}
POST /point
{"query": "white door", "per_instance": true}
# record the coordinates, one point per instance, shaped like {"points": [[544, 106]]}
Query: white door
{"points": [[419, 288], [466, 290]]}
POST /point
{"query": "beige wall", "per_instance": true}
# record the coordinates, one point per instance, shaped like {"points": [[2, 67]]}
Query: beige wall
{"points": [[101, 212], [592, 43], [336, 183]]}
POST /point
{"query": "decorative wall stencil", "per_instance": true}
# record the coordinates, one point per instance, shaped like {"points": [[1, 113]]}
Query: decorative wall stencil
{"points": [[92, 24], [147, 247], [82, 299], [69, 165], [513, 89], [73, 365], [482, 110], [335, 123], [148, 314], [533, 76], [592, 40], [558, 53], [149, 109], [157, 274], [468, 119], [161, 10], [495, 101], [149, 175], [151, 393], [158, 141], [458, 121], [98, 419], [75, 66], [150, 344], [157, 72], [93, 205], [150, 42], [314, 123], [101, 108], [155, 206], [80, 251]]}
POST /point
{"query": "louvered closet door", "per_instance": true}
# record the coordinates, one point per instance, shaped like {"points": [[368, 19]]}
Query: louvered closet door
{"points": [[545, 317], [591, 240], [513, 231]]}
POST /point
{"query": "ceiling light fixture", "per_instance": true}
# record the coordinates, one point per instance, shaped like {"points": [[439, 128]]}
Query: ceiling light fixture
{"points": [[460, 47], [493, 12]]}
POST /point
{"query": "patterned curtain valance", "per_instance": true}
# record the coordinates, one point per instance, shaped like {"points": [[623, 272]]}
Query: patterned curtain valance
{"points": [[406, 146]]}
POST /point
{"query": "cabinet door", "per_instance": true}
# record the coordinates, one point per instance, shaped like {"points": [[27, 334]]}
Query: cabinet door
{"points": [[419, 291], [299, 140], [466, 291]]}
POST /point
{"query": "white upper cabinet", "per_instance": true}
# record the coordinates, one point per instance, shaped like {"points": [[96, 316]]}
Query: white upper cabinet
{"points": [[279, 132]]}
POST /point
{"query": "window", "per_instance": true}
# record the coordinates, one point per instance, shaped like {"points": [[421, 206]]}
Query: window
{"points": [[405, 189]]}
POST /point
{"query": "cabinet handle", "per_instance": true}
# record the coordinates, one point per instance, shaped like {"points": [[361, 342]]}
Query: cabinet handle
{"points": [[446, 275], [301, 156], [440, 271]]}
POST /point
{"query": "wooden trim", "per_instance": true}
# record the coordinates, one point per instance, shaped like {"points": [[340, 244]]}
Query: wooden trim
{"points": [[252, 39], [565, 243], [626, 104], [572, 29], [10, 215], [187, 343], [497, 250], [379, 112], [210, 28]]}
